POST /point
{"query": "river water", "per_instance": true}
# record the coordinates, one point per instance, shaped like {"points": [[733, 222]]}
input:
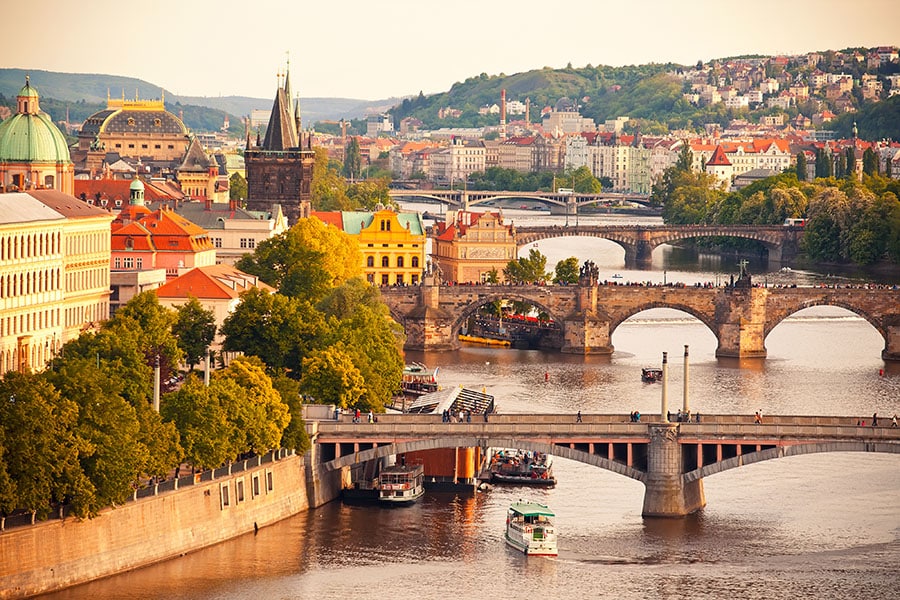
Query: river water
{"points": [[823, 526]]}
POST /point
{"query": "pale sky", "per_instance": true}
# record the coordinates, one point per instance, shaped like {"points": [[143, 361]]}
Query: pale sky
{"points": [[373, 50]]}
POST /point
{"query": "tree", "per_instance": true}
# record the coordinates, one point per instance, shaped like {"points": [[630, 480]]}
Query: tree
{"points": [[306, 261], [352, 160], [40, 451], [208, 437], [532, 269], [195, 330], [801, 166], [294, 436], [152, 323], [279, 330], [567, 271], [252, 405], [237, 187], [330, 377], [870, 162]]}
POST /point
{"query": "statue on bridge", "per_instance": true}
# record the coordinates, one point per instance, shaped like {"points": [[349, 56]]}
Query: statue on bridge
{"points": [[744, 280], [589, 274]]}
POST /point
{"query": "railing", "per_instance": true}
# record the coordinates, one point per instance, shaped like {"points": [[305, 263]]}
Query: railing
{"points": [[151, 489]]}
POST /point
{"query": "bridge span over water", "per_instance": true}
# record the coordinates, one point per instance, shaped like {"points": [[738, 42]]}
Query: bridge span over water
{"points": [[559, 202], [670, 459], [587, 315]]}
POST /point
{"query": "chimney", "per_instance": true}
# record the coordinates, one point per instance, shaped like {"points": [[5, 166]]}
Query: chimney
{"points": [[232, 204], [503, 114], [207, 203]]}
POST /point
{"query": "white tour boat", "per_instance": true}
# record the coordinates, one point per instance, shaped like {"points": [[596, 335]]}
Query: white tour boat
{"points": [[530, 529], [401, 484]]}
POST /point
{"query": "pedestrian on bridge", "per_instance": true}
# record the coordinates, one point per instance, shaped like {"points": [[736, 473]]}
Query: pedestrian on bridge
{"points": [[894, 420], [875, 419], [578, 417]]}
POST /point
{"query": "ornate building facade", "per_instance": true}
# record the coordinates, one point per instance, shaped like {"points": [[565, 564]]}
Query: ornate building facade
{"points": [[468, 246], [54, 274], [279, 170], [392, 244]]}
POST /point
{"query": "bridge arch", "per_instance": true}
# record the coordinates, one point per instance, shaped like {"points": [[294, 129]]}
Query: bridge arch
{"points": [[471, 308], [775, 316], [706, 319], [484, 442], [785, 451]]}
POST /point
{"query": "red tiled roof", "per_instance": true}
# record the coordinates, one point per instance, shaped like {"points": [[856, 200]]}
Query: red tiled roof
{"points": [[718, 159], [330, 218], [222, 282]]}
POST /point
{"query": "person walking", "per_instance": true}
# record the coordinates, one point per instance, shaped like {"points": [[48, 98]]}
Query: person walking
{"points": [[578, 417], [875, 419], [894, 420]]}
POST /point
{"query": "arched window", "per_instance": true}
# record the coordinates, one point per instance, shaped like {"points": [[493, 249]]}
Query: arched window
{"points": [[385, 261], [370, 261], [415, 261], [400, 262]]}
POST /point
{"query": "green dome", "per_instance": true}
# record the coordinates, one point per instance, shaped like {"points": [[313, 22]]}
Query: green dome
{"points": [[32, 138], [137, 184], [27, 91]]}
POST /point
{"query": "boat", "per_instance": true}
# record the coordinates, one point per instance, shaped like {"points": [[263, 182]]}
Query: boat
{"points": [[517, 467], [651, 374], [530, 529], [418, 379], [401, 484], [617, 276]]}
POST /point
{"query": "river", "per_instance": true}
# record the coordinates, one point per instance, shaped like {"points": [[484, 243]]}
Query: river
{"points": [[823, 526]]}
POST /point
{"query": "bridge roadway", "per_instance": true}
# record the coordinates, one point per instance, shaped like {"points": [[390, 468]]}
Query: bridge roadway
{"points": [[670, 459]]}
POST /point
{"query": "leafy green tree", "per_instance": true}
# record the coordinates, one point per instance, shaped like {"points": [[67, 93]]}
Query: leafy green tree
{"points": [[368, 194], [279, 330], [801, 166], [585, 182], [195, 330], [40, 457], [294, 436], [253, 405], [352, 159], [532, 269], [567, 271], [153, 323], [330, 377], [306, 261], [693, 199], [870, 162], [493, 276], [237, 187], [107, 429], [206, 433], [328, 186]]}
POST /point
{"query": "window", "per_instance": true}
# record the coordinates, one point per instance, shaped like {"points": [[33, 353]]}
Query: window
{"points": [[385, 261], [139, 263], [370, 277], [399, 262], [415, 261], [384, 279], [239, 491], [131, 145], [131, 121], [217, 242], [224, 499], [118, 263], [270, 482], [399, 278], [244, 243], [157, 123], [129, 262], [251, 243], [254, 486], [415, 279], [370, 261]]}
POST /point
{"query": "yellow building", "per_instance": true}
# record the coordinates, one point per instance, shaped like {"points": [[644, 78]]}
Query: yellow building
{"points": [[467, 246], [392, 244], [54, 274]]}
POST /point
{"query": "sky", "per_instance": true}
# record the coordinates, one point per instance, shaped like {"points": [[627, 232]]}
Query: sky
{"points": [[373, 50]]}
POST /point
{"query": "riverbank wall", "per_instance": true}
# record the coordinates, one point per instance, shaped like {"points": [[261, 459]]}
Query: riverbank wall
{"points": [[214, 507]]}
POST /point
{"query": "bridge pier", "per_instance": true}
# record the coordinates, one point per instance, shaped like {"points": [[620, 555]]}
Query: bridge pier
{"points": [[666, 494], [891, 338], [584, 331], [741, 322]]}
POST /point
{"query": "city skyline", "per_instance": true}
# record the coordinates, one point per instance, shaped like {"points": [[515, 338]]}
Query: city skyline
{"points": [[353, 49]]}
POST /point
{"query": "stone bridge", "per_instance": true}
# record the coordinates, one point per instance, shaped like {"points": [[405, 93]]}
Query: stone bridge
{"points": [[670, 459], [559, 203], [781, 242], [739, 317]]}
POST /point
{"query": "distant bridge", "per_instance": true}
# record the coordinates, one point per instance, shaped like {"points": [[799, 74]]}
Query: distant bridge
{"points": [[559, 203], [781, 242], [670, 459]]}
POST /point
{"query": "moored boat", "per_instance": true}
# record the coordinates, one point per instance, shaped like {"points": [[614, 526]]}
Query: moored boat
{"points": [[530, 529], [651, 374], [522, 468], [401, 484], [418, 379]]}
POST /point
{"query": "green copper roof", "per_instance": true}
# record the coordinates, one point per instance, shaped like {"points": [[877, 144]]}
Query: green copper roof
{"points": [[32, 138], [28, 91]]}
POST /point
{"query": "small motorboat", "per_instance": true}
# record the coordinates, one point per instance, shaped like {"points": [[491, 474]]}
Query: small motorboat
{"points": [[651, 374]]}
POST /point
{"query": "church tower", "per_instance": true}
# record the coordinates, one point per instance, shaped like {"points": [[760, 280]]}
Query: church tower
{"points": [[279, 170]]}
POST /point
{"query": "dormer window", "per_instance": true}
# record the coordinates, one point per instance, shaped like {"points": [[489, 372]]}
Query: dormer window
{"points": [[157, 123], [129, 243], [131, 121]]}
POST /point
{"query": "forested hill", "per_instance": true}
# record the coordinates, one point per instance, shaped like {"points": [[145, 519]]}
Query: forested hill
{"points": [[85, 94], [651, 95]]}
